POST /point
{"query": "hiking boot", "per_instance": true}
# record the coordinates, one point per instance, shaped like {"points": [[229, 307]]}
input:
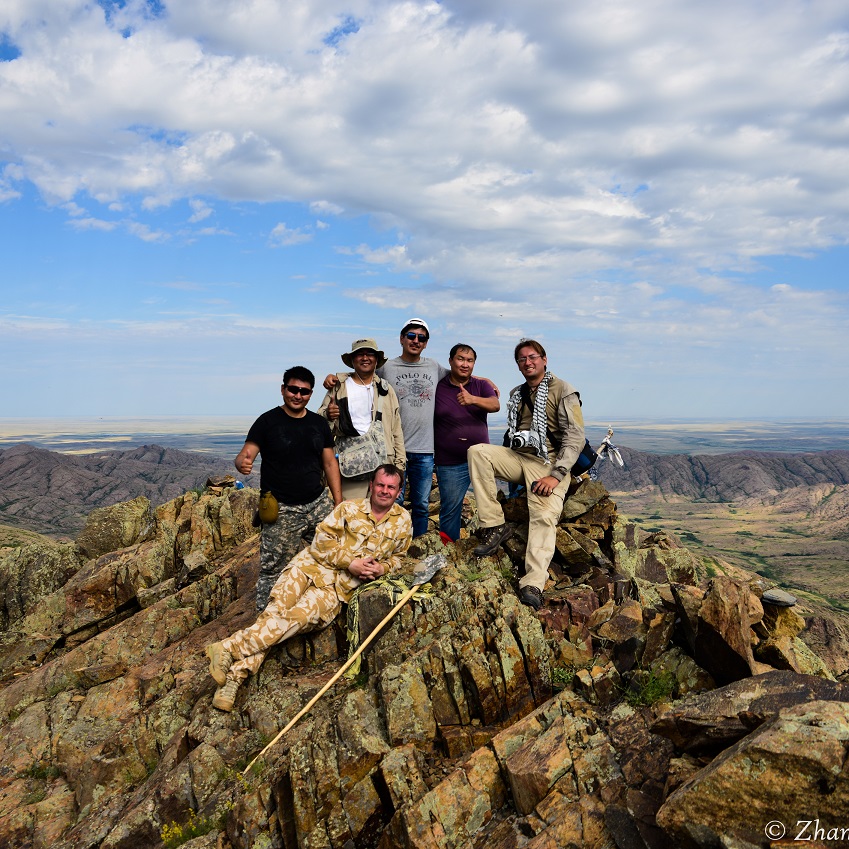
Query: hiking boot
{"points": [[491, 538], [220, 660], [225, 696], [531, 596]]}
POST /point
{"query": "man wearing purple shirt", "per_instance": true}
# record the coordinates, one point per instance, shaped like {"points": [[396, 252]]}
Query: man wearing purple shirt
{"points": [[462, 404]]}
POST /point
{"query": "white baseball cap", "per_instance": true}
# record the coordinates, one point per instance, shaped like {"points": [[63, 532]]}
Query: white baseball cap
{"points": [[416, 322]]}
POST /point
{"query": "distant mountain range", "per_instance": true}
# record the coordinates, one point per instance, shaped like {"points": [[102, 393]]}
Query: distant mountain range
{"points": [[52, 493], [724, 477]]}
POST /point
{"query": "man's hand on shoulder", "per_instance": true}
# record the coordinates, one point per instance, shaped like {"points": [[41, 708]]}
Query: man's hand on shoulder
{"points": [[491, 383], [330, 381]]}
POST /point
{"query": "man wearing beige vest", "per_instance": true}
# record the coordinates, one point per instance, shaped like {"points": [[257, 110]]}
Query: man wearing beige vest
{"points": [[545, 436]]}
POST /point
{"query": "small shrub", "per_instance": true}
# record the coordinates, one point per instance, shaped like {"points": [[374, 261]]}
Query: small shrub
{"points": [[562, 676], [235, 775], [174, 834], [652, 688], [43, 771]]}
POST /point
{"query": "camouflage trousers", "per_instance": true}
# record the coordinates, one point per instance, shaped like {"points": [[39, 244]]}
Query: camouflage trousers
{"points": [[281, 540], [296, 605]]}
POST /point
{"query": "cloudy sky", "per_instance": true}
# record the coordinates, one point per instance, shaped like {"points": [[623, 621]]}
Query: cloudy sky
{"points": [[196, 194]]}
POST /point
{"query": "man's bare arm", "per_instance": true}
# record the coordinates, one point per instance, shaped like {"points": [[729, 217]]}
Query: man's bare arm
{"points": [[466, 399], [244, 461], [331, 471]]}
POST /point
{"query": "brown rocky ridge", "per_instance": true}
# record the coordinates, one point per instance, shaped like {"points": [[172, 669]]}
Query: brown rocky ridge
{"points": [[53, 493], [646, 705]]}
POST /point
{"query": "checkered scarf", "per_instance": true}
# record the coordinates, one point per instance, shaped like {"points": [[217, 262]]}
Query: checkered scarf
{"points": [[539, 428]]}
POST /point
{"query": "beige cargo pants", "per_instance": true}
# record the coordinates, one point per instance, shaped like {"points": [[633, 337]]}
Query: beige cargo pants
{"points": [[488, 462]]}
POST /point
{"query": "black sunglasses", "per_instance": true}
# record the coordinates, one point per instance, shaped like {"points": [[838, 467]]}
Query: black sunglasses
{"points": [[420, 336], [298, 390]]}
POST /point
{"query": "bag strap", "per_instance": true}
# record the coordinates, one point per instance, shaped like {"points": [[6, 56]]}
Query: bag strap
{"points": [[377, 413]]}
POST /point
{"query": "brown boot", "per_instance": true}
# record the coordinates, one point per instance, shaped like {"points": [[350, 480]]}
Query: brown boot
{"points": [[531, 596], [491, 538], [225, 696], [220, 661]]}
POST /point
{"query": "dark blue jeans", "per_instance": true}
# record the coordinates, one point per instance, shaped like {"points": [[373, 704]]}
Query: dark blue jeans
{"points": [[453, 485], [420, 475]]}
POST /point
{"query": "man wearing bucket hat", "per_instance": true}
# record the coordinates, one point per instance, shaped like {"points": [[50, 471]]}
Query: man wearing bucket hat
{"points": [[414, 379], [297, 452], [363, 413]]}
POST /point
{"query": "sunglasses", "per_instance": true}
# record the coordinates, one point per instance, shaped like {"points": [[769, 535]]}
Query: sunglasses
{"points": [[532, 359], [420, 336], [298, 390]]}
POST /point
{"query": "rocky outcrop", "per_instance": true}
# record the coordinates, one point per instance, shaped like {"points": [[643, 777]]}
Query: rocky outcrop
{"points": [[787, 777], [55, 600], [119, 526], [728, 476], [714, 720], [473, 722], [30, 572], [53, 493]]}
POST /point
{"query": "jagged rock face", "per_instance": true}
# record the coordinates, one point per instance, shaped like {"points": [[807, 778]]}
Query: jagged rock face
{"points": [[453, 736], [112, 587], [119, 526], [722, 477], [749, 786], [54, 492], [29, 573], [713, 721]]}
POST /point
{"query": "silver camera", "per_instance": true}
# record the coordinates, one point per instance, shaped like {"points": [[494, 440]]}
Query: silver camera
{"points": [[521, 439]]}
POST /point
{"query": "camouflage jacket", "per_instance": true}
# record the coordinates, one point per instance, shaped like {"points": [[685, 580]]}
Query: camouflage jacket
{"points": [[350, 532]]}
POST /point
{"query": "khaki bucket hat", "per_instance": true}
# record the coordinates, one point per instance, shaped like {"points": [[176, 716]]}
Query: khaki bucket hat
{"points": [[359, 345]]}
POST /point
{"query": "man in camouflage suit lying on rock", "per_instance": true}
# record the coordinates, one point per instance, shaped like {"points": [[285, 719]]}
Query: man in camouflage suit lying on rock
{"points": [[360, 540]]}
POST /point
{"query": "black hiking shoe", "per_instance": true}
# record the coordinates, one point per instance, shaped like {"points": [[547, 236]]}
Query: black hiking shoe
{"points": [[491, 538], [531, 596]]}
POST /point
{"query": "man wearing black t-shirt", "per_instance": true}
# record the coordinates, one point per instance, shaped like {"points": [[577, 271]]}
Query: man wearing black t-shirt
{"points": [[296, 447]]}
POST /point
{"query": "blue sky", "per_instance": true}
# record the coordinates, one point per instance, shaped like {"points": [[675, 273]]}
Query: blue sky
{"points": [[195, 196]]}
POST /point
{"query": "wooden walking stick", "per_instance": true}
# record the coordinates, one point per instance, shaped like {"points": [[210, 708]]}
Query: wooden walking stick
{"points": [[431, 565]]}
